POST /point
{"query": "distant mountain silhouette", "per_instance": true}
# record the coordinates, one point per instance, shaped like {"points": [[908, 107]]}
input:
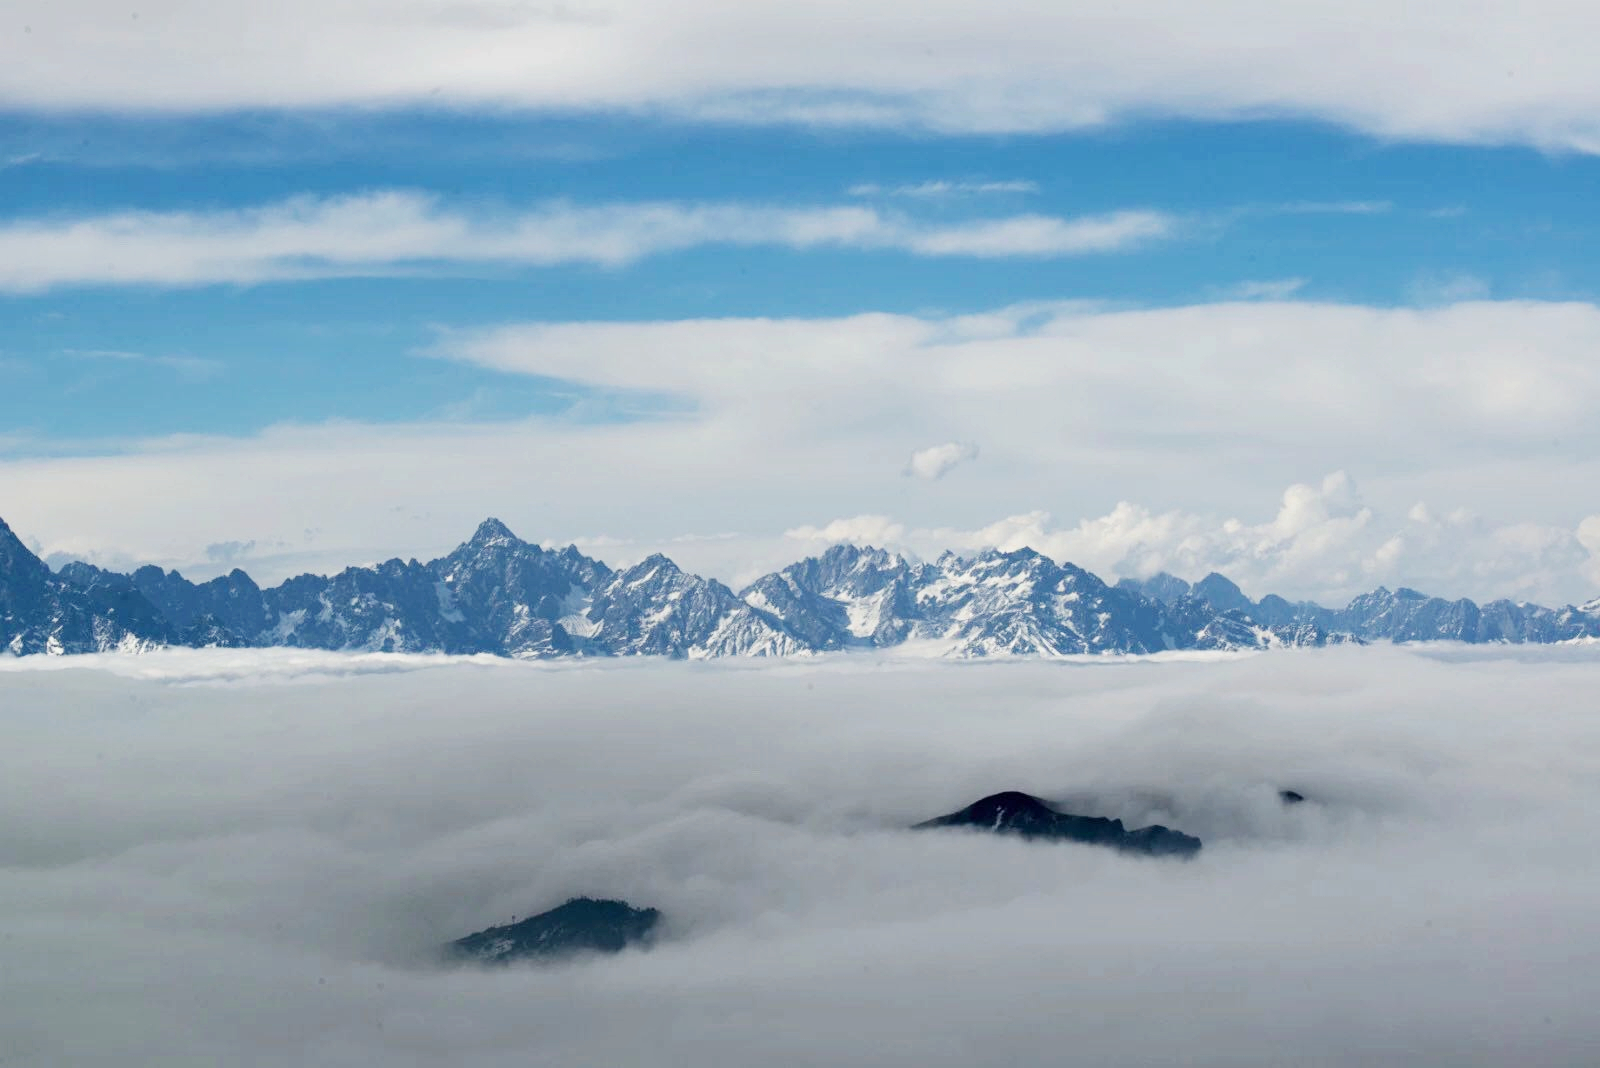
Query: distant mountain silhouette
{"points": [[1026, 816], [583, 924]]}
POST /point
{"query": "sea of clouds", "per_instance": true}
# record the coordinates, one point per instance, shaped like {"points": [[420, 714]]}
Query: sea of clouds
{"points": [[252, 858]]}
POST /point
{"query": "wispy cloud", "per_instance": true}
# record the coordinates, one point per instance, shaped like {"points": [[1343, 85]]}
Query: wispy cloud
{"points": [[1262, 289], [1330, 207], [1447, 287], [22, 159], [394, 231], [1043, 235], [934, 190], [191, 368], [228, 552]]}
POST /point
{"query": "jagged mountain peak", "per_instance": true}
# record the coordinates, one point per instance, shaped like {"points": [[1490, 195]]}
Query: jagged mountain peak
{"points": [[41, 612], [491, 532], [17, 557], [1022, 561], [656, 566], [1023, 553], [848, 552]]}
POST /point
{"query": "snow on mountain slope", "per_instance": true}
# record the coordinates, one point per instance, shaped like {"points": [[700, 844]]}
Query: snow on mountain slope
{"points": [[500, 595]]}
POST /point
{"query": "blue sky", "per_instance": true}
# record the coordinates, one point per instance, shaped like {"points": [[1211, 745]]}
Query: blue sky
{"points": [[842, 250], [1344, 216]]}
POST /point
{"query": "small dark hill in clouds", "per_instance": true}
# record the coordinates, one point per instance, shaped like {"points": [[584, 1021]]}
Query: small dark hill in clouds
{"points": [[1026, 816], [582, 925]]}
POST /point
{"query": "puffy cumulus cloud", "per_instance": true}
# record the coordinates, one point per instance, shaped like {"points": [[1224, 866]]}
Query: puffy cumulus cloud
{"points": [[1318, 535], [939, 460], [397, 231], [225, 866], [1323, 542], [1193, 415], [856, 530], [1498, 75]]}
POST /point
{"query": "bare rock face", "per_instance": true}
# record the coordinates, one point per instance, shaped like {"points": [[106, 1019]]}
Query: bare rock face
{"points": [[1026, 816]]}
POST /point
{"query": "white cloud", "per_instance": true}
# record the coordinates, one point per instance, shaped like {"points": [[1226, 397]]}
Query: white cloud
{"points": [[1589, 538], [939, 460], [1308, 371], [1191, 415], [188, 368], [1323, 537], [336, 819], [857, 530], [1043, 235], [1450, 287], [1330, 207], [941, 189], [1500, 74], [400, 231], [1263, 289], [230, 553]]}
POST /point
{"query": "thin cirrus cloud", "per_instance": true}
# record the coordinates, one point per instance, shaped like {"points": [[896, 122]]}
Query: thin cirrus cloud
{"points": [[394, 231], [940, 189], [1330, 207], [188, 368], [1512, 74], [1262, 289]]}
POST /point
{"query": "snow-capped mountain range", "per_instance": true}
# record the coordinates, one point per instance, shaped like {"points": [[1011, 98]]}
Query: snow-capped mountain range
{"points": [[498, 594]]}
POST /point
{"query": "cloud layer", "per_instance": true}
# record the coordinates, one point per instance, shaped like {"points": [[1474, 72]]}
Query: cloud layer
{"points": [[232, 857], [1504, 75], [397, 231], [1156, 438]]}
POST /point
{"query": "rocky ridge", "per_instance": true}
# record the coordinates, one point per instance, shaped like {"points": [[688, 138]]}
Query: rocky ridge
{"points": [[500, 595]]}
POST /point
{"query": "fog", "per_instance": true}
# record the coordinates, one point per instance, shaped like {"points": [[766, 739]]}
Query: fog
{"points": [[252, 858]]}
